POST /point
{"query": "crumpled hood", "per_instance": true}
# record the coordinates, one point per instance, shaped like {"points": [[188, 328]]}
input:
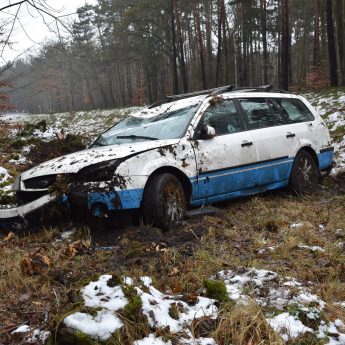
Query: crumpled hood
{"points": [[74, 162]]}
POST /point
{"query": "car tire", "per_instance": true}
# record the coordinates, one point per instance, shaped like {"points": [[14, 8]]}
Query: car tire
{"points": [[304, 174], [164, 201]]}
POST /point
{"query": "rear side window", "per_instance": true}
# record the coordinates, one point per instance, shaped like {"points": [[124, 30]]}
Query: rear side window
{"points": [[261, 113], [223, 117], [295, 110]]}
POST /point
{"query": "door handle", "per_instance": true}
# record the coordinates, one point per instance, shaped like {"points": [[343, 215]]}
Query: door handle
{"points": [[247, 143], [290, 135]]}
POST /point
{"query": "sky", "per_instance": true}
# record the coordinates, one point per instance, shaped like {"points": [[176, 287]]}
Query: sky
{"points": [[29, 30]]}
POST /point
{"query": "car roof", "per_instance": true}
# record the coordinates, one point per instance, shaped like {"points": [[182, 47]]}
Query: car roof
{"points": [[244, 94]]}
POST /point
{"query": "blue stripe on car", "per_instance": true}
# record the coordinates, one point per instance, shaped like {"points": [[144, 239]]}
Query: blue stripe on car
{"points": [[215, 186]]}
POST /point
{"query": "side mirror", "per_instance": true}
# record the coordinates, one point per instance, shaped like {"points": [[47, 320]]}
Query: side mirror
{"points": [[207, 132]]}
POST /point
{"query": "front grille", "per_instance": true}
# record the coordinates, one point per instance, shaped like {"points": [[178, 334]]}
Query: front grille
{"points": [[42, 182]]}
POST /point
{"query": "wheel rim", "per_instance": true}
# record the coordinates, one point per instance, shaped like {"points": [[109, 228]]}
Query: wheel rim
{"points": [[306, 174], [174, 203]]}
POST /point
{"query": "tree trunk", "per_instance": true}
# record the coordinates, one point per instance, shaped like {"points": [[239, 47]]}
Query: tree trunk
{"points": [[181, 48], [263, 18], [174, 51], [219, 49], [316, 55], [200, 43], [284, 78], [340, 21], [331, 45], [208, 25]]}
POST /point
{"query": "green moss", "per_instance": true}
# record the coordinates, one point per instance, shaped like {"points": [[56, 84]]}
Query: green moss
{"points": [[338, 134], [175, 310], [18, 144], [84, 339], [115, 339], [72, 143], [115, 280], [28, 130], [134, 249], [217, 290], [15, 156], [132, 310]]}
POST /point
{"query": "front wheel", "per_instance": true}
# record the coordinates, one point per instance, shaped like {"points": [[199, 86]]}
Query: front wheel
{"points": [[304, 174], [164, 201]]}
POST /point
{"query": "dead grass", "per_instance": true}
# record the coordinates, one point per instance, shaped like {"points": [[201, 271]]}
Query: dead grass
{"points": [[249, 232], [245, 324]]}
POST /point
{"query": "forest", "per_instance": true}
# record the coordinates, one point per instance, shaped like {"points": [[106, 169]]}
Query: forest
{"points": [[133, 52]]}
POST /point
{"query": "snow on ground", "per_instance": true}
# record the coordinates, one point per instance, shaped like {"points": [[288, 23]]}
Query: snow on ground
{"points": [[32, 336], [332, 108], [152, 340], [5, 182], [294, 305], [291, 309], [4, 175], [89, 123], [156, 306]]}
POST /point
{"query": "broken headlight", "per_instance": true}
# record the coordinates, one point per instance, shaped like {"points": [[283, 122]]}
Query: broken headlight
{"points": [[42, 182], [98, 172]]}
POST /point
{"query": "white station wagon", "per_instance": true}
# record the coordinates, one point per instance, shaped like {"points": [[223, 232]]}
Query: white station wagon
{"points": [[189, 150]]}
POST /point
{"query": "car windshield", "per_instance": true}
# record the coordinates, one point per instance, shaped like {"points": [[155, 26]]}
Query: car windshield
{"points": [[159, 123]]}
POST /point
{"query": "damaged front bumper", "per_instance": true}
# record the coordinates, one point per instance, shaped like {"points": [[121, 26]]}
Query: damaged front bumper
{"points": [[21, 212]]}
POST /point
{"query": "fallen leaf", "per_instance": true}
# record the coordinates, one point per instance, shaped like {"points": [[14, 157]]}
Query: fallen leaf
{"points": [[10, 236], [34, 263], [77, 248]]}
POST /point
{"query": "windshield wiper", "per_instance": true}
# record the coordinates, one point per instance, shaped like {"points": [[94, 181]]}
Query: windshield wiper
{"points": [[133, 137]]}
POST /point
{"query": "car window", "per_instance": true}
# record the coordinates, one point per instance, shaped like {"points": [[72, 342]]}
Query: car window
{"points": [[261, 113], [295, 109], [160, 126], [223, 117]]}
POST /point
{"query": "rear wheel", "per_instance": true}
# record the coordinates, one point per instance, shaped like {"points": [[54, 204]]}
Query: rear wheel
{"points": [[164, 201], [304, 175]]}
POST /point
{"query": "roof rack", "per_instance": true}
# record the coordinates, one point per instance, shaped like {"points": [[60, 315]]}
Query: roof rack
{"points": [[216, 91], [263, 88]]}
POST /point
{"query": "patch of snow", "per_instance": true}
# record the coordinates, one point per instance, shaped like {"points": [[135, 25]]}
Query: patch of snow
{"points": [[147, 281], [128, 280], [22, 329], [198, 341], [152, 340], [20, 161], [101, 326], [38, 336], [312, 248], [270, 290], [67, 234], [32, 336], [296, 225], [331, 108], [287, 326], [99, 295], [331, 331], [4, 175], [156, 306]]}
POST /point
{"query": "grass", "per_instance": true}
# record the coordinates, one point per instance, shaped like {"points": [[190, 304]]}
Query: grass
{"points": [[230, 241]]}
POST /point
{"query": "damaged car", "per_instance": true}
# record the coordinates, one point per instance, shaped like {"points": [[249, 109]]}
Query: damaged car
{"points": [[186, 151]]}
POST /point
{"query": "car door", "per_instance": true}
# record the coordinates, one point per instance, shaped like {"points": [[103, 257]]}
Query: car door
{"points": [[224, 162], [301, 120], [275, 141]]}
